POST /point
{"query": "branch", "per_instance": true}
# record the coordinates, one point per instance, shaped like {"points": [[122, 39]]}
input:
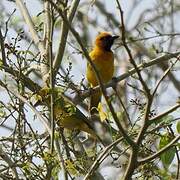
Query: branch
{"points": [[41, 118], [31, 85], [157, 154], [162, 78], [10, 163], [48, 32], [156, 118], [145, 87], [2, 49], [100, 158], [64, 35], [30, 24], [132, 165]]}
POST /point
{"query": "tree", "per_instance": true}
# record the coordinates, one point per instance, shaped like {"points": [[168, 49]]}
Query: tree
{"points": [[139, 113]]}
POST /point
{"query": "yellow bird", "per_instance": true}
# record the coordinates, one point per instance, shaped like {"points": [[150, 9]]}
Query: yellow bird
{"points": [[103, 59], [65, 113]]}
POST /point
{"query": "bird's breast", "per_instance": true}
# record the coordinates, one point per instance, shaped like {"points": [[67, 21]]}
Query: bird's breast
{"points": [[104, 62]]}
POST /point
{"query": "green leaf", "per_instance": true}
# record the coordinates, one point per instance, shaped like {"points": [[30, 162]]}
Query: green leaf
{"points": [[178, 126], [168, 156]]}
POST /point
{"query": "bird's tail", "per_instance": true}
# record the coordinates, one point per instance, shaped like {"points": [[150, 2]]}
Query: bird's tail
{"points": [[94, 101]]}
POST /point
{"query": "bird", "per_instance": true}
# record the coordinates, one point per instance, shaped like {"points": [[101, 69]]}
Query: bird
{"points": [[103, 59], [66, 114]]}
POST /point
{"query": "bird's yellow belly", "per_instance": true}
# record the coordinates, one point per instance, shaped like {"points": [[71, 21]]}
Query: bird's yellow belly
{"points": [[105, 69]]}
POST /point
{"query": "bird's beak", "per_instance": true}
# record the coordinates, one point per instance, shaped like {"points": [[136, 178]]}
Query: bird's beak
{"points": [[115, 37]]}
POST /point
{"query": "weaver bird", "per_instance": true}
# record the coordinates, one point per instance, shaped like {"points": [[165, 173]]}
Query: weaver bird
{"points": [[103, 59], [65, 113]]}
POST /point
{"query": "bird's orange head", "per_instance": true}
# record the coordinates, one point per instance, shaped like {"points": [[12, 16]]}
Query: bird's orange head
{"points": [[105, 40]]}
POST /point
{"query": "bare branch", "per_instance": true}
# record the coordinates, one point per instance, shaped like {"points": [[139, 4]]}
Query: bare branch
{"points": [[8, 160], [63, 36], [30, 24], [2, 48]]}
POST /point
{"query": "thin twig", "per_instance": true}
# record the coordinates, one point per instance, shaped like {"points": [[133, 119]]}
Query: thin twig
{"points": [[61, 159], [162, 78], [122, 104], [177, 154]]}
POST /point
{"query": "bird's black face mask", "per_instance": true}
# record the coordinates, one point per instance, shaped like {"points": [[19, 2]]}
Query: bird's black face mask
{"points": [[108, 42]]}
